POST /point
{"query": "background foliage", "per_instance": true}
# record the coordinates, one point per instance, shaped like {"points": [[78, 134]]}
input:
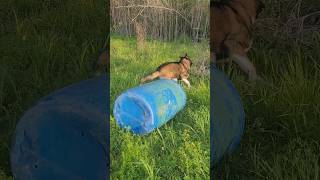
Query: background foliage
{"points": [[166, 20]]}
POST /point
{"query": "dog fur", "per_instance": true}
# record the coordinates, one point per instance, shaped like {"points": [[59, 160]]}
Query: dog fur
{"points": [[172, 70], [103, 64], [230, 34]]}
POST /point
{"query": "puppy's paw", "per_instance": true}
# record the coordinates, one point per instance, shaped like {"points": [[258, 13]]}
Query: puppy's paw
{"points": [[254, 78], [186, 86], [258, 81], [142, 81]]}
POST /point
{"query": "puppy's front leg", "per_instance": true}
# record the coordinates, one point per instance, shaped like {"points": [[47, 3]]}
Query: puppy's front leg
{"points": [[239, 55], [249, 46], [246, 66], [186, 82]]}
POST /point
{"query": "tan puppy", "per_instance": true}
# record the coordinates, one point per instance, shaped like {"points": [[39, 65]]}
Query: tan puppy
{"points": [[172, 70], [103, 64], [103, 60], [230, 34]]}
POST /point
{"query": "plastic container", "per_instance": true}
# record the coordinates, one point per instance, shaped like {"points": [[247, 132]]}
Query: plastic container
{"points": [[64, 136], [227, 116], [149, 106]]}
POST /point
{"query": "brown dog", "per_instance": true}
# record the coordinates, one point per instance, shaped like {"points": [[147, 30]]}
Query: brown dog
{"points": [[172, 70], [230, 34], [103, 64]]}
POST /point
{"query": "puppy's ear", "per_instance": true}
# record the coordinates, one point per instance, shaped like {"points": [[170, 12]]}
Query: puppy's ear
{"points": [[186, 56]]}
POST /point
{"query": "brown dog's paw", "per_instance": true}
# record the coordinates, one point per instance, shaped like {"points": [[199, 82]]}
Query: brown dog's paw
{"points": [[253, 77], [142, 81], [258, 81], [259, 78]]}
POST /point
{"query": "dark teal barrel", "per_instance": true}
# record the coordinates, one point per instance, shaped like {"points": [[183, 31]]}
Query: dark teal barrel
{"points": [[149, 106], [227, 116], [64, 135]]}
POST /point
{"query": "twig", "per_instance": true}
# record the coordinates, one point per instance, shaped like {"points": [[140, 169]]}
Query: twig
{"points": [[311, 14], [138, 14], [156, 7]]}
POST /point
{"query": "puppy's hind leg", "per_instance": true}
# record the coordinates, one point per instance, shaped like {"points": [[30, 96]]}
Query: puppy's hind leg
{"points": [[150, 77]]}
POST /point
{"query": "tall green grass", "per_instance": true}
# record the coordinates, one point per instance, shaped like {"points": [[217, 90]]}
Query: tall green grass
{"points": [[44, 45], [281, 139], [180, 148]]}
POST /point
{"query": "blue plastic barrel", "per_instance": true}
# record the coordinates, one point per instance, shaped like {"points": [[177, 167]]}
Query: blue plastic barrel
{"points": [[149, 106], [227, 116], [64, 135]]}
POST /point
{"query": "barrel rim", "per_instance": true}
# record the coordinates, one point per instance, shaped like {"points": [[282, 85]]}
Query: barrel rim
{"points": [[142, 102]]}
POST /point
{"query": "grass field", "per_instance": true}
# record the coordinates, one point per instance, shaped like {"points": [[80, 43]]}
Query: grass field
{"points": [[180, 148], [44, 45], [281, 139]]}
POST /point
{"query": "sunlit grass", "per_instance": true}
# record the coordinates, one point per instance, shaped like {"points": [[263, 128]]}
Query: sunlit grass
{"points": [[281, 138], [178, 149]]}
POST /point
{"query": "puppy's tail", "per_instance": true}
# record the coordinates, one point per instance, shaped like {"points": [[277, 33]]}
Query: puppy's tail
{"points": [[150, 77]]}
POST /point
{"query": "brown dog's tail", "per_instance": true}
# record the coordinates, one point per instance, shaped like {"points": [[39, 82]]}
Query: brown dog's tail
{"points": [[150, 77]]}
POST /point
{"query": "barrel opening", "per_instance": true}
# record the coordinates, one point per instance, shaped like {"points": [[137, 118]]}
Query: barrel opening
{"points": [[134, 113]]}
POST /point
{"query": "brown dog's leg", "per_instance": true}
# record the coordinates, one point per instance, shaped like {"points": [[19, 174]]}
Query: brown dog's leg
{"points": [[246, 66], [150, 77], [186, 82], [249, 46], [238, 54]]}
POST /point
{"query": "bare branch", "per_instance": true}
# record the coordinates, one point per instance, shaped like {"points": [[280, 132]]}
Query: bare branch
{"points": [[156, 7], [138, 14]]}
